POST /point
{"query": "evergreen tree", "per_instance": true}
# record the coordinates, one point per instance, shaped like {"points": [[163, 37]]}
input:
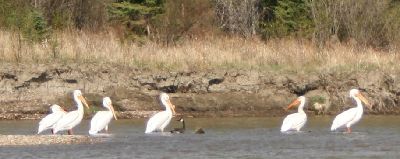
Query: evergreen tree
{"points": [[289, 17], [136, 15]]}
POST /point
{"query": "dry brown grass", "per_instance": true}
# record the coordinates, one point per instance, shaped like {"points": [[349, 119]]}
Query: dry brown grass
{"points": [[208, 53]]}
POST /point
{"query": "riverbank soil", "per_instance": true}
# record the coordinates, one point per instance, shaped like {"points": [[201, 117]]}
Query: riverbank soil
{"points": [[28, 90]]}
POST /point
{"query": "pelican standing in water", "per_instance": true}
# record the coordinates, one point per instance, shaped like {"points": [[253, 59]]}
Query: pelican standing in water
{"points": [[72, 118], [160, 120], [50, 120], [353, 115], [297, 120], [101, 120]]}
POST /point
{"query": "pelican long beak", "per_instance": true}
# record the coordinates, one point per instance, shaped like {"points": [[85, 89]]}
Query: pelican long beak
{"points": [[172, 107], [364, 100], [295, 102], [113, 112], [83, 101]]}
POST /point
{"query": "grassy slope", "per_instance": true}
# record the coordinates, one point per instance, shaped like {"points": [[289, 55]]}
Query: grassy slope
{"points": [[198, 55]]}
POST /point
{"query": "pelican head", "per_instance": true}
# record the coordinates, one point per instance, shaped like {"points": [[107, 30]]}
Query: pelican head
{"points": [[56, 108], [77, 93], [297, 101], [167, 102], [355, 93], [78, 96], [108, 104]]}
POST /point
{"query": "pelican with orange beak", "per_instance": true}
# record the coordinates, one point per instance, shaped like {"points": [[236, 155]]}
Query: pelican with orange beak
{"points": [[159, 121], [101, 120], [297, 120], [72, 118], [353, 115]]}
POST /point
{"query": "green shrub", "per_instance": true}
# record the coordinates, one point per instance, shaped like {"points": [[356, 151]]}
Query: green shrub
{"points": [[36, 28], [135, 15], [290, 18], [317, 99], [21, 17]]}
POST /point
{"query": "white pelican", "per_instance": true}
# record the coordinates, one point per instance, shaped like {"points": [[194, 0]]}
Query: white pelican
{"points": [[160, 120], [49, 121], [72, 118], [101, 120], [353, 115], [297, 120]]}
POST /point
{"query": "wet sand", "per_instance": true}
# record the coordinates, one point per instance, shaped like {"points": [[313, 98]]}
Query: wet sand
{"points": [[25, 140]]}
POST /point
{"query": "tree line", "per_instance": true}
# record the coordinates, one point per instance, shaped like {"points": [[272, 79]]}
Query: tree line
{"points": [[365, 23]]}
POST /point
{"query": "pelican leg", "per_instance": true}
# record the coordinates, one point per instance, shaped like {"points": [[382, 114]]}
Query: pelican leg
{"points": [[52, 131], [70, 132], [106, 129], [348, 130]]}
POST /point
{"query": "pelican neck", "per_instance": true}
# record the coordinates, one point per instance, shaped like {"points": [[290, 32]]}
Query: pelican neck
{"points": [[359, 103], [107, 107], [301, 106], [78, 103], [167, 108]]}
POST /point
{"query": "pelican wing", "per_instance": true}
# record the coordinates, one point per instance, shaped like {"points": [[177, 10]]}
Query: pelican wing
{"points": [[100, 121], [343, 118], [66, 122], [156, 122], [49, 121], [293, 121]]}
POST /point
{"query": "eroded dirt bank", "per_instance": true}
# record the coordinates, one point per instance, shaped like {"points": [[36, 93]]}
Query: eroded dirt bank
{"points": [[27, 90]]}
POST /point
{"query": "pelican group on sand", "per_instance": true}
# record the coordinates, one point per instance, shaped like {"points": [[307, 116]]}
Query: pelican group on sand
{"points": [[101, 120], [353, 115], [159, 121], [297, 120], [72, 118]]}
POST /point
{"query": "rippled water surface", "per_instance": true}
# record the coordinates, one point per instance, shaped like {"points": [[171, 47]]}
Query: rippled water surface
{"points": [[373, 137]]}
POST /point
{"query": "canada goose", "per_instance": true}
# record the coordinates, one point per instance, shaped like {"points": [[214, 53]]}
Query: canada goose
{"points": [[179, 130]]}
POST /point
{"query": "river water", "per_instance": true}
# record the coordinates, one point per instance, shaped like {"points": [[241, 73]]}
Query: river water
{"points": [[373, 137]]}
